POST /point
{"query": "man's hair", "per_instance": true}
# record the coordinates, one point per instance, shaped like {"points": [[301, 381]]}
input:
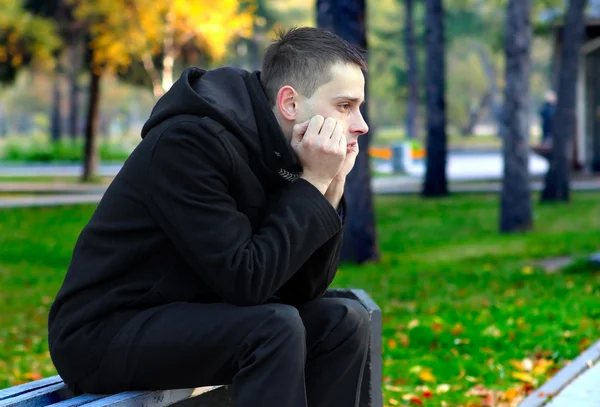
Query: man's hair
{"points": [[303, 58]]}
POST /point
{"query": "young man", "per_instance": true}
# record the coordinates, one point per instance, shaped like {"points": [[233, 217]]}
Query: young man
{"points": [[207, 258]]}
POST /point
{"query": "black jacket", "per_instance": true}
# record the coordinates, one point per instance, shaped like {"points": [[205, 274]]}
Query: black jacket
{"points": [[207, 208]]}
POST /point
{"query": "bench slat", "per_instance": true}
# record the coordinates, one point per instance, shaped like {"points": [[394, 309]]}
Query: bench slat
{"points": [[28, 387], [146, 399], [78, 401], [36, 398]]}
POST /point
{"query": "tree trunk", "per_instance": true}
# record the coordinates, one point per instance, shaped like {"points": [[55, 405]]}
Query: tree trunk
{"points": [[490, 74], [169, 53], [55, 117], [475, 114], [435, 173], [515, 208], [74, 90], [90, 163], [347, 18], [412, 110], [556, 186], [3, 126]]}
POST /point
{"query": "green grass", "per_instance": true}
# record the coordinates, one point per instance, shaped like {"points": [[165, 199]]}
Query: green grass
{"points": [[66, 179], [39, 149], [461, 302]]}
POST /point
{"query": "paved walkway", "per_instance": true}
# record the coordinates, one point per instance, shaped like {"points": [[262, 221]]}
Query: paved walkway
{"points": [[49, 194]]}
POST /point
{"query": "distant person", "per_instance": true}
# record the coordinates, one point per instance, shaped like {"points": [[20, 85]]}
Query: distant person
{"points": [[546, 114], [207, 258]]}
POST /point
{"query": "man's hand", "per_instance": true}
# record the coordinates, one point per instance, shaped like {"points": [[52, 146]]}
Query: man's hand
{"points": [[321, 148], [336, 188]]}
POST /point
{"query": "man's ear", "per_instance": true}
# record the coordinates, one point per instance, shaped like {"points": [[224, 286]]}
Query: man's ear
{"points": [[287, 102]]}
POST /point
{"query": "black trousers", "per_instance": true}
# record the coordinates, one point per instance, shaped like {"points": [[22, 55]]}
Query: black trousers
{"points": [[273, 354]]}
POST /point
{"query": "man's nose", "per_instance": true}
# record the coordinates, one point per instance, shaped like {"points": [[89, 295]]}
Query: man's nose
{"points": [[359, 126]]}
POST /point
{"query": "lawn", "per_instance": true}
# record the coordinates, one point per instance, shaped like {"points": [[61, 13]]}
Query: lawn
{"points": [[468, 315]]}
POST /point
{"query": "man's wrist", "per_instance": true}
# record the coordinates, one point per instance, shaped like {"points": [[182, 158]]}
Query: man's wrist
{"points": [[335, 192]]}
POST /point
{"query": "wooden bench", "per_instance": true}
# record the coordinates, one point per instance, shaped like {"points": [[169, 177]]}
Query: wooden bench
{"points": [[53, 392]]}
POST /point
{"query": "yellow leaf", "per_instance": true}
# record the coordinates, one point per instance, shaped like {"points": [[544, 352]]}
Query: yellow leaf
{"points": [[524, 377], [517, 364], [396, 389], [527, 270], [392, 344], [426, 376], [413, 324], [409, 396], [511, 394], [393, 402], [541, 366]]}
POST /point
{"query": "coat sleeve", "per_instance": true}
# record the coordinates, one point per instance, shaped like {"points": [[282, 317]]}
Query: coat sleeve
{"points": [[316, 275], [189, 197]]}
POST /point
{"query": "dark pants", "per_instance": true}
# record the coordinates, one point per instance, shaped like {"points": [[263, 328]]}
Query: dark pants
{"points": [[273, 354]]}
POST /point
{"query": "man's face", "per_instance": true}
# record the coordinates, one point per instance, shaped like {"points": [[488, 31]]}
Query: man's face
{"points": [[340, 98]]}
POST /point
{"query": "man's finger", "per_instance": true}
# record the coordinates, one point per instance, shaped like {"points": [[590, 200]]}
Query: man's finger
{"points": [[314, 125]]}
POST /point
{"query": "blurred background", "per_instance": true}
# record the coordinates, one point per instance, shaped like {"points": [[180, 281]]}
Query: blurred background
{"points": [[475, 204]]}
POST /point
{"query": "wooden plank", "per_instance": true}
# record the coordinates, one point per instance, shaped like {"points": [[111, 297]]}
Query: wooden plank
{"points": [[36, 398], [78, 401], [28, 387], [143, 398], [563, 378]]}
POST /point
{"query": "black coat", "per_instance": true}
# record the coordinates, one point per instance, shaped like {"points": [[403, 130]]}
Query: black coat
{"points": [[207, 208]]}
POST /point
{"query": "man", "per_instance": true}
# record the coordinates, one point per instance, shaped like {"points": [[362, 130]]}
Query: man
{"points": [[207, 258], [546, 115]]}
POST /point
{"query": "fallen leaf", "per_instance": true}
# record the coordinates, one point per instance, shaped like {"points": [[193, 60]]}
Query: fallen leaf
{"points": [[413, 324], [32, 376], [393, 402], [442, 388], [427, 394], [458, 329], [511, 394], [392, 344], [396, 389], [404, 341], [524, 377], [426, 375], [417, 401], [492, 330], [527, 270], [541, 366]]}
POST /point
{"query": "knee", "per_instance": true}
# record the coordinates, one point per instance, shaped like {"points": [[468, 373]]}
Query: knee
{"points": [[285, 322], [356, 322]]}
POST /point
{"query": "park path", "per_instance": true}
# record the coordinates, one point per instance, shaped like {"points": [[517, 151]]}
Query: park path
{"points": [[52, 194]]}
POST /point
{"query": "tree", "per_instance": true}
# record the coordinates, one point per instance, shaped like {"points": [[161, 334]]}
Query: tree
{"points": [[556, 186], [156, 31], [413, 73], [515, 208], [346, 18], [435, 183]]}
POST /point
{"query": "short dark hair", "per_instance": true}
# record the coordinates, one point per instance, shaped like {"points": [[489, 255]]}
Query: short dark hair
{"points": [[303, 57]]}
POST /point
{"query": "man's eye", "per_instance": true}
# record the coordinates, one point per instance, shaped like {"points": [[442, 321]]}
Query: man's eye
{"points": [[345, 107]]}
